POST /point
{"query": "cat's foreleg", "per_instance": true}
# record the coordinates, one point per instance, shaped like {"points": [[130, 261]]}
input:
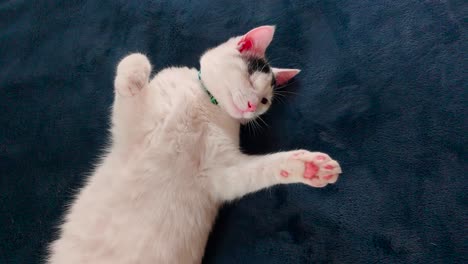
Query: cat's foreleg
{"points": [[252, 173]]}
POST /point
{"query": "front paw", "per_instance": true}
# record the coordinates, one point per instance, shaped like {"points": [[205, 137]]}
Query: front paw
{"points": [[132, 74], [312, 168]]}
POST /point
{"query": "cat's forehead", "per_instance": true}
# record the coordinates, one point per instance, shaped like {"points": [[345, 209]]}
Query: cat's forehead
{"points": [[258, 65]]}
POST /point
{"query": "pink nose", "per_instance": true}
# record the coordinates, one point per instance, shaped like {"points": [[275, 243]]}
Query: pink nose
{"points": [[251, 107]]}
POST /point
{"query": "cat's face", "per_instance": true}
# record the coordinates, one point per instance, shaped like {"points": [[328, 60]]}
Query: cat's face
{"points": [[239, 76]]}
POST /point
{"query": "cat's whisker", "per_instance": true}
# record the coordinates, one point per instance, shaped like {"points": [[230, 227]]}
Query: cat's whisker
{"points": [[285, 85], [285, 92], [275, 60], [261, 119], [279, 94], [256, 123], [255, 126], [248, 127], [260, 127], [279, 97], [279, 100], [253, 129]]}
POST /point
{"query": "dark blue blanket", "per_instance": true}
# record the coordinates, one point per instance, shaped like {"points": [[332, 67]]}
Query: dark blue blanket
{"points": [[383, 90]]}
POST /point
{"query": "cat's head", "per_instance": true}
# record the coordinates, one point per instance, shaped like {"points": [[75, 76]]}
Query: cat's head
{"points": [[238, 75]]}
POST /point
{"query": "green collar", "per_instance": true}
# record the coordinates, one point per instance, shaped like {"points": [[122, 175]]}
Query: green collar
{"points": [[212, 98]]}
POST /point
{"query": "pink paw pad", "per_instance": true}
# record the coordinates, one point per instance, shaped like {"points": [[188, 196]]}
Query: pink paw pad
{"points": [[329, 167], [328, 177], [284, 173], [321, 157], [310, 170]]}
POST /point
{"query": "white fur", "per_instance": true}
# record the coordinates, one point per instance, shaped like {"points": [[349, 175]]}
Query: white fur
{"points": [[174, 159]]}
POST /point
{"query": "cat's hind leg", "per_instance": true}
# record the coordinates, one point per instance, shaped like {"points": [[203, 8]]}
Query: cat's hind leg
{"points": [[132, 101], [132, 75]]}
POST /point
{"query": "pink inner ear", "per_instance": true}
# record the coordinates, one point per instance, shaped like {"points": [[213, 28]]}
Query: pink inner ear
{"points": [[282, 76], [256, 41]]}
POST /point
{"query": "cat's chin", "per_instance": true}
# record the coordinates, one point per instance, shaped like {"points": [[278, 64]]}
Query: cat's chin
{"points": [[244, 118], [244, 121]]}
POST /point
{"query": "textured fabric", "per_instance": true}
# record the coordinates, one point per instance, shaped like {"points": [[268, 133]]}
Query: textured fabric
{"points": [[383, 90]]}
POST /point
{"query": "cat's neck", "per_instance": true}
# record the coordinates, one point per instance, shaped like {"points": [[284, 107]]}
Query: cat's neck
{"points": [[215, 113]]}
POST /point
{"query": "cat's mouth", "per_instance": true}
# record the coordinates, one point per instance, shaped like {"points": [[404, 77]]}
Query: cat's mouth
{"points": [[242, 115]]}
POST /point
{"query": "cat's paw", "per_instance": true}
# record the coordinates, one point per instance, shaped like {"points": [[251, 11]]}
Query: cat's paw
{"points": [[316, 169], [132, 74]]}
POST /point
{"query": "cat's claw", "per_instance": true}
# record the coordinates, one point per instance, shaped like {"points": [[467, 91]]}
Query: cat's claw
{"points": [[319, 169], [132, 74]]}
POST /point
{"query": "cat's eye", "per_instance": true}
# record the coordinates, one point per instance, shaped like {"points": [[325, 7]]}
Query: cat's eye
{"points": [[264, 100]]}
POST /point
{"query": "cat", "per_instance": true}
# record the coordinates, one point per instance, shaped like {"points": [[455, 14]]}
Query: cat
{"points": [[174, 157]]}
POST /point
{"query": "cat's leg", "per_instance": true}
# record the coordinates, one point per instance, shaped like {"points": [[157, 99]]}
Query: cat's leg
{"points": [[252, 173], [130, 109], [132, 75]]}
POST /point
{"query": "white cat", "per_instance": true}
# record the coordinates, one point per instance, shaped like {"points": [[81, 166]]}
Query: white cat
{"points": [[175, 158]]}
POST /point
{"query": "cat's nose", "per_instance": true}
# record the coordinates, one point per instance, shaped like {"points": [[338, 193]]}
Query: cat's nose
{"points": [[251, 107]]}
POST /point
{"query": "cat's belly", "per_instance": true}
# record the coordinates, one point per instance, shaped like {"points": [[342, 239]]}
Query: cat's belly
{"points": [[133, 214]]}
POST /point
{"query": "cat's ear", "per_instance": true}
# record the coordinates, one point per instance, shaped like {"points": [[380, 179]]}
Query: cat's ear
{"points": [[282, 76], [256, 41]]}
